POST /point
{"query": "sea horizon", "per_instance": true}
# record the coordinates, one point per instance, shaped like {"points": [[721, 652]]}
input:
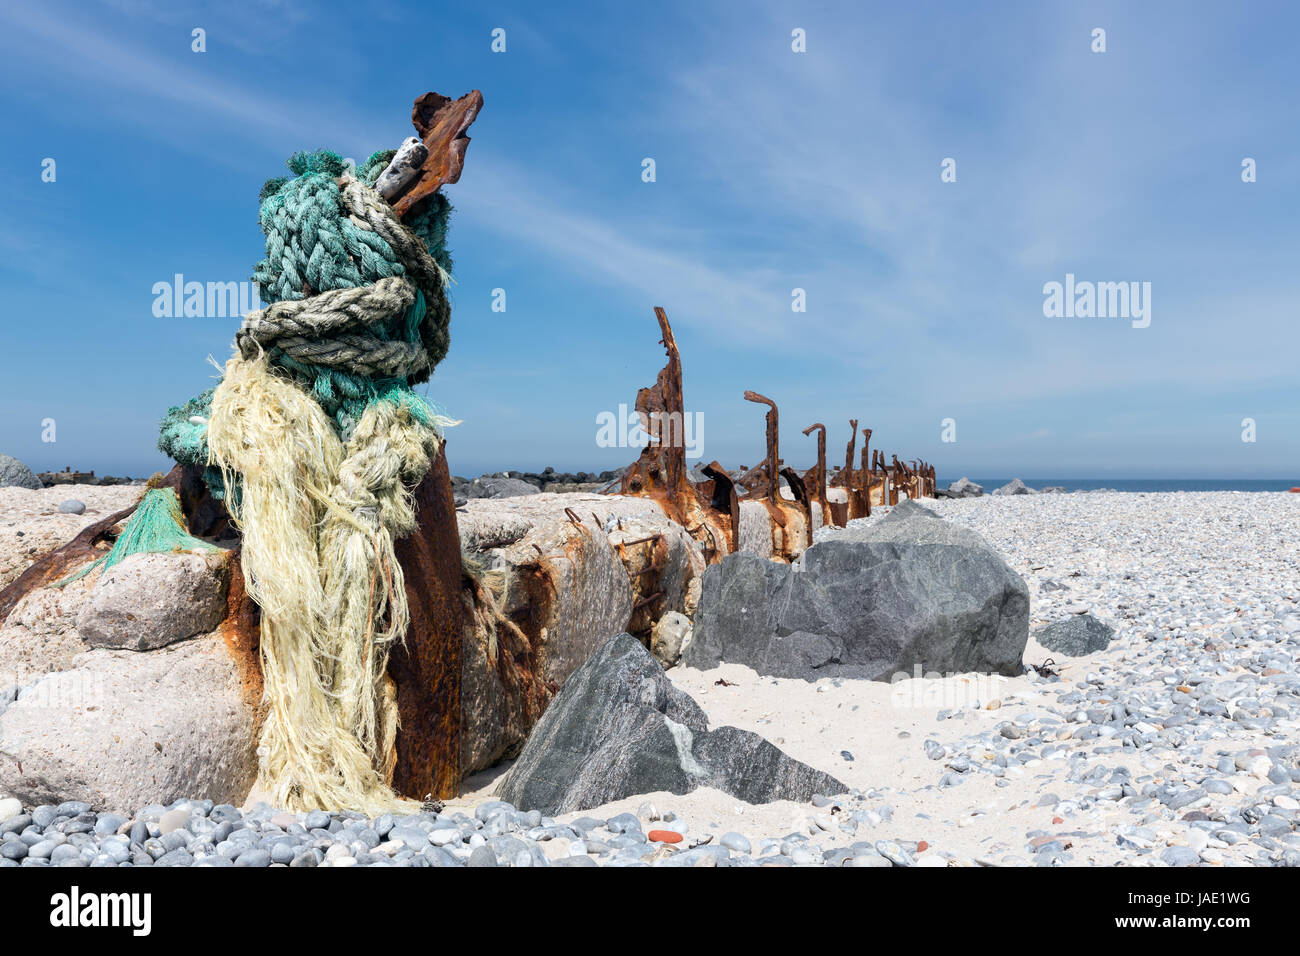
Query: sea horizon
{"points": [[1134, 484]]}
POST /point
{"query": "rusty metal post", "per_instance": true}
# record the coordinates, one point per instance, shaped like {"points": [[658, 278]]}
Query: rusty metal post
{"points": [[866, 473], [851, 509], [817, 473], [887, 490], [427, 666], [772, 464]]}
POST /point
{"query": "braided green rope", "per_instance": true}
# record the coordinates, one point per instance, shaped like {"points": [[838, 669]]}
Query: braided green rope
{"points": [[328, 233]]}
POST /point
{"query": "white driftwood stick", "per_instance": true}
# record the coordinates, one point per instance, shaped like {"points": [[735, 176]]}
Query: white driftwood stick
{"points": [[402, 168]]}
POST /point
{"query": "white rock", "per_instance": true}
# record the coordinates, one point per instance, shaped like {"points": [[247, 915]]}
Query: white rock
{"points": [[671, 635]]}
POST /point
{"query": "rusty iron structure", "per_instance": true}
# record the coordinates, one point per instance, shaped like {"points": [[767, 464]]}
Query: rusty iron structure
{"points": [[814, 478], [710, 509], [765, 480]]}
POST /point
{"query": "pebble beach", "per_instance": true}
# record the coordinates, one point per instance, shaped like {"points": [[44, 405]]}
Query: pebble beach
{"points": [[1179, 744]]}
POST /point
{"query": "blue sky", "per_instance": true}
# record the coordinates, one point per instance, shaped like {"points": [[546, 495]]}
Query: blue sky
{"points": [[775, 170]]}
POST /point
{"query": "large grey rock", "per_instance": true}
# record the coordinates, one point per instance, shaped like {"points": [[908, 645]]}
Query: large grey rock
{"points": [[1015, 487], [619, 728], [122, 730], [1077, 635], [14, 473], [490, 486], [908, 591], [152, 600], [965, 488]]}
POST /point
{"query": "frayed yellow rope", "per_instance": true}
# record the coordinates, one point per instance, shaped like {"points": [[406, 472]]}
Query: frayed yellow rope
{"points": [[319, 520]]}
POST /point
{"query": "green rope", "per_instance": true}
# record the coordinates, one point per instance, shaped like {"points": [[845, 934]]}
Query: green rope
{"points": [[156, 527], [183, 439]]}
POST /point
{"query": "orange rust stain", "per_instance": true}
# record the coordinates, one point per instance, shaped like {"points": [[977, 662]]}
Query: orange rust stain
{"points": [[426, 666], [242, 633]]}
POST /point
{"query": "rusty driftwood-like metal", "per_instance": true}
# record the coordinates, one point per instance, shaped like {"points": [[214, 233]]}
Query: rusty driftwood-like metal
{"points": [[441, 123], [709, 511], [765, 480], [427, 667]]}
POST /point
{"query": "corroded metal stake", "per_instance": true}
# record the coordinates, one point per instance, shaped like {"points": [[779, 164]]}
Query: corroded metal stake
{"points": [[866, 473], [772, 463], [816, 476]]}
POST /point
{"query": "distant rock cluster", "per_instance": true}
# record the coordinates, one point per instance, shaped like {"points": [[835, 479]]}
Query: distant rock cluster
{"points": [[49, 479], [511, 484], [965, 488], [15, 474]]}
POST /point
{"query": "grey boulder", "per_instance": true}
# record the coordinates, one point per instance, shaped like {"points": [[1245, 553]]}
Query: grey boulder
{"points": [[1015, 487], [910, 591], [619, 728], [1077, 635], [490, 486], [72, 507], [122, 730], [152, 600], [13, 473], [965, 488]]}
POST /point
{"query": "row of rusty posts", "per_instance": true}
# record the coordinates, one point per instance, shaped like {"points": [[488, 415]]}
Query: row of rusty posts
{"points": [[872, 479], [710, 510]]}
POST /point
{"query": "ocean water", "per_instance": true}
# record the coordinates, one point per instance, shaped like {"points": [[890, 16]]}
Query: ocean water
{"points": [[1139, 484]]}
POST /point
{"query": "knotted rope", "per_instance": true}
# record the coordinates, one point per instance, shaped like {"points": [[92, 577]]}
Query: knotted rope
{"points": [[317, 438]]}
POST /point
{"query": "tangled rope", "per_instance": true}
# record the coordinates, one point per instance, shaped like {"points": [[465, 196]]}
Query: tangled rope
{"points": [[316, 438], [314, 331]]}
